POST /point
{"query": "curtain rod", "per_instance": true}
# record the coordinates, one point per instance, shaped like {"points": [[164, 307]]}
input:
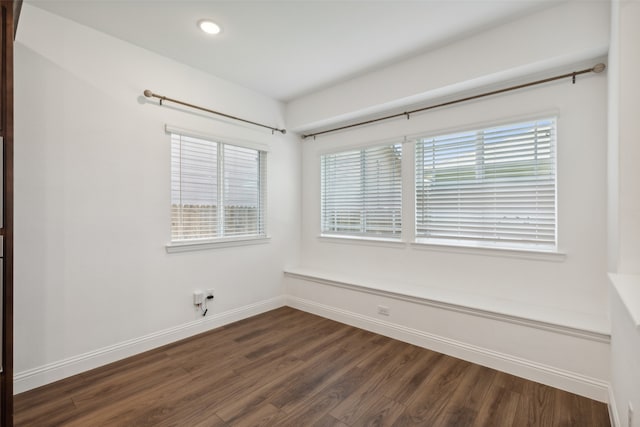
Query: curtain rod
{"points": [[598, 68], [149, 94]]}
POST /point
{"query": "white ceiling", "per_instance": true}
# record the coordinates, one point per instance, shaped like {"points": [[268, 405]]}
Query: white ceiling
{"points": [[285, 49]]}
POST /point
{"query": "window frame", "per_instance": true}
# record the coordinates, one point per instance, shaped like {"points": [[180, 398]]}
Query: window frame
{"points": [[226, 240], [551, 252], [408, 238], [364, 235]]}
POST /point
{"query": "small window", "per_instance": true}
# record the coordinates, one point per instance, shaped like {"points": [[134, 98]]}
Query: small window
{"points": [[217, 190], [492, 187], [361, 192]]}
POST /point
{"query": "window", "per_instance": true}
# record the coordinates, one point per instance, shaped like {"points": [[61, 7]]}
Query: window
{"points": [[217, 190], [493, 187], [361, 192]]}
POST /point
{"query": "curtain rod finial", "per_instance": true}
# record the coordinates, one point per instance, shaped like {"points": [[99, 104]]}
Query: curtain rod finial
{"points": [[284, 131], [598, 68], [148, 93]]}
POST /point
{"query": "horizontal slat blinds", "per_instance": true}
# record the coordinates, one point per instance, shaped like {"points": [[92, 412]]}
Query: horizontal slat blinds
{"points": [[361, 192], [194, 188], [493, 186], [217, 190], [243, 183]]}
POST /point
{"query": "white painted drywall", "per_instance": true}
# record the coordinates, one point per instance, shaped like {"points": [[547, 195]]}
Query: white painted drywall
{"points": [[578, 283], [624, 207], [553, 37], [613, 151], [92, 205], [629, 137]]}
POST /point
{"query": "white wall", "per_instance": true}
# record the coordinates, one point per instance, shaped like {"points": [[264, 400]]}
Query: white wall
{"points": [[578, 283], [553, 37], [92, 204], [624, 208], [572, 291], [629, 137]]}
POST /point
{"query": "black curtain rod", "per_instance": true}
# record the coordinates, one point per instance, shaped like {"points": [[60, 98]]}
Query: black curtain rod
{"points": [[598, 68], [149, 94]]}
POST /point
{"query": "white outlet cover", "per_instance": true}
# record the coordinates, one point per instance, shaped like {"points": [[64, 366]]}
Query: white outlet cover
{"points": [[198, 297], [383, 309]]}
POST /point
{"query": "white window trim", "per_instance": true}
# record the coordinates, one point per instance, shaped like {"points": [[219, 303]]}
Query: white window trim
{"points": [[213, 137], [467, 248], [408, 238], [472, 245], [364, 235], [362, 240], [222, 242], [190, 246]]}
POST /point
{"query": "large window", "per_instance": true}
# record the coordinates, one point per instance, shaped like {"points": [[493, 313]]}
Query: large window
{"points": [[362, 192], [217, 190], [489, 187]]}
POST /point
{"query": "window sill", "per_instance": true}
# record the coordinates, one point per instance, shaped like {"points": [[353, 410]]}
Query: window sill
{"points": [[533, 254], [371, 241], [215, 244]]}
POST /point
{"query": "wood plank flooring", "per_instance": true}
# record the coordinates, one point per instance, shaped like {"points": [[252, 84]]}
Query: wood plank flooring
{"points": [[290, 368]]}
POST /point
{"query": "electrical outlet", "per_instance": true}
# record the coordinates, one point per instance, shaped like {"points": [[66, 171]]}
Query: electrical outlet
{"points": [[383, 309], [198, 297], [630, 415]]}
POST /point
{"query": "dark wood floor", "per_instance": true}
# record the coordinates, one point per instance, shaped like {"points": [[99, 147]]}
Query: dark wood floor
{"points": [[290, 368]]}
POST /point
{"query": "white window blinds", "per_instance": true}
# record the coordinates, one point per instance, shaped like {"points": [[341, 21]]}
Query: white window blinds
{"points": [[243, 196], [491, 187], [217, 190], [361, 192]]}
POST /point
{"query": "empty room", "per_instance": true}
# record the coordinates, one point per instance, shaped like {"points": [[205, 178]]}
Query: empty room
{"points": [[321, 213]]}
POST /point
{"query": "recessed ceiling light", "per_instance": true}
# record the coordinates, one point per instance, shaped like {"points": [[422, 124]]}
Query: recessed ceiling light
{"points": [[208, 26]]}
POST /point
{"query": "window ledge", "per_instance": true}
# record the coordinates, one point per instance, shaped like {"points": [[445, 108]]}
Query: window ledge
{"points": [[591, 326], [491, 251], [215, 244], [627, 287], [371, 241]]}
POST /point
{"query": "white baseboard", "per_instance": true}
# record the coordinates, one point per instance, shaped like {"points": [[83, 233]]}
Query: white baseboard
{"points": [[566, 380], [55, 371], [613, 409], [563, 379]]}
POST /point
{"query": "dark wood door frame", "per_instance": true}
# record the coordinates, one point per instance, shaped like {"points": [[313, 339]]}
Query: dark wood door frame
{"points": [[7, 8]]}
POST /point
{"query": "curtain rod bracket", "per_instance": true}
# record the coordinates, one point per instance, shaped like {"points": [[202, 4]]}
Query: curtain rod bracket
{"points": [[149, 94]]}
